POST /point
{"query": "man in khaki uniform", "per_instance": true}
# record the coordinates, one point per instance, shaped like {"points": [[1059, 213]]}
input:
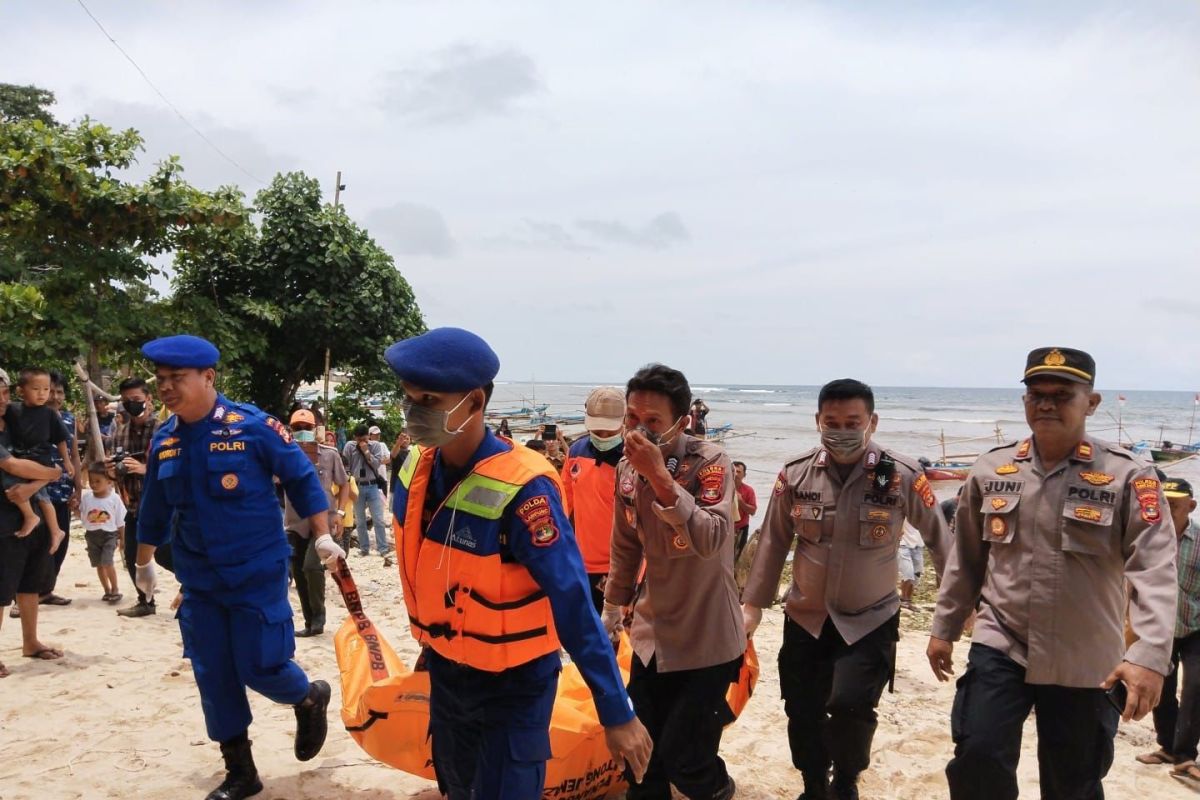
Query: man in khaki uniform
{"points": [[845, 504], [1047, 532], [307, 571], [675, 509]]}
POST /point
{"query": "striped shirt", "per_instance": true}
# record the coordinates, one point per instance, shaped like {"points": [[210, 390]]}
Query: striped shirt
{"points": [[1187, 620]]}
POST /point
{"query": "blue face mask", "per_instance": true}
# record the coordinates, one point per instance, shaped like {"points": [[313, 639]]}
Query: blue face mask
{"points": [[305, 436], [605, 443]]}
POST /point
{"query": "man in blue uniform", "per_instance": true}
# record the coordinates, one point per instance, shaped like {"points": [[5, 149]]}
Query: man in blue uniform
{"points": [[209, 492], [493, 581]]}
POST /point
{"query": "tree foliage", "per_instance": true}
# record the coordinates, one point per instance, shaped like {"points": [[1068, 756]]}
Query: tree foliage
{"points": [[275, 297], [77, 240], [25, 102]]}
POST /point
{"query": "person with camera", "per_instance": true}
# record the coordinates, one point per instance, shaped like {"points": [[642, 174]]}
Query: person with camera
{"points": [[1051, 536], [367, 461], [135, 427]]}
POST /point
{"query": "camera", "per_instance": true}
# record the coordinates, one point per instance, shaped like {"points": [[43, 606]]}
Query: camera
{"points": [[117, 459]]}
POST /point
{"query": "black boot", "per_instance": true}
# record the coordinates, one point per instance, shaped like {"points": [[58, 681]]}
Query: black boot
{"points": [[816, 787], [241, 776], [845, 787], [311, 725]]}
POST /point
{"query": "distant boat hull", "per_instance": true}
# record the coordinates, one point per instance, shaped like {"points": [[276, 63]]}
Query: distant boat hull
{"points": [[947, 473], [1167, 456]]}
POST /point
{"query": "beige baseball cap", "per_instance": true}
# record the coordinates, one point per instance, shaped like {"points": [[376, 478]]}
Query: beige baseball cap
{"points": [[4, 378], [604, 409]]}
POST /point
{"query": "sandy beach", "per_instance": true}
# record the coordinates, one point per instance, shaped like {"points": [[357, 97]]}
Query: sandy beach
{"points": [[119, 715]]}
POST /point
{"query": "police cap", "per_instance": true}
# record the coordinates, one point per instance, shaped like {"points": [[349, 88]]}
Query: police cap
{"points": [[1060, 362], [1177, 487], [182, 351], [444, 360]]}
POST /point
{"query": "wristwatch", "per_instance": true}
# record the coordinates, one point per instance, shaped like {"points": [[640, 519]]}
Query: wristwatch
{"points": [[341, 512]]}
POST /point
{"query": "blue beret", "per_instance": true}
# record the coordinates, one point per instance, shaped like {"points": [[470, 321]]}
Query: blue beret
{"points": [[444, 360], [182, 351]]}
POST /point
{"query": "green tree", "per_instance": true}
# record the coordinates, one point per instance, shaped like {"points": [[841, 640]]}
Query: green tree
{"points": [[276, 297], [77, 243], [25, 102]]}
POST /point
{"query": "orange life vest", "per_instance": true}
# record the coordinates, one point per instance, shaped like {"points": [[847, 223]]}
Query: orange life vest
{"points": [[472, 607]]}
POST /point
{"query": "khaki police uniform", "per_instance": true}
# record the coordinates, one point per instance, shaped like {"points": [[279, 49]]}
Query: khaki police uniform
{"points": [[307, 571], [1045, 554], [687, 631], [842, 608]]}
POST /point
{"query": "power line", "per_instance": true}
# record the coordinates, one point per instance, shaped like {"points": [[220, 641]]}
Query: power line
{"points": [[157, 91]]}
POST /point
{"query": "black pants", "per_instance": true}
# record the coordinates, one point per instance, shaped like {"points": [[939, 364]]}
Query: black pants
{"points": [[685, 713], [1075, 729], [596, 580], [309, 576], [1177, 720], [830, 690], [741, 536], [62, 511], [162, 554]]}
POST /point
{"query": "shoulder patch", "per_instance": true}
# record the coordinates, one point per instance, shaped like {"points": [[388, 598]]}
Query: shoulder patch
{"points": [[922, 489], [276, 426], [780, 484], [712, 482], [535, 514]]}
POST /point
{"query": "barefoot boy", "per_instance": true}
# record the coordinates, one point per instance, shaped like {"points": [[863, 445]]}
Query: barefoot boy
{"points": [[103, 515], [36, 428]]}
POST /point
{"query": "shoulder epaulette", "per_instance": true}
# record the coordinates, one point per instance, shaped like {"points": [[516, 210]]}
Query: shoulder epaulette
{"points": [[803, 457], [1013, 443]]}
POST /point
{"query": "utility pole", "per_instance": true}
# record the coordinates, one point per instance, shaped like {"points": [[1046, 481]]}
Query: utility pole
{"points": [[338, 186]]}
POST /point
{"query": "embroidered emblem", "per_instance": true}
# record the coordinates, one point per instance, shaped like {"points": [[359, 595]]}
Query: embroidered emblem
{"points": [[780, 484], [922, 489], [822, 458], [627, 485], [999, 503], [233, 417], [1097, 478], [1007, 469], [1088, 513], [229, 481], [878, 515], [1084, 451], [1054, 358], [1023, 450], [1146, 485], [879, 532], [278, 427], [535, 513], [712, 483], [998, 527], [679, 542]]}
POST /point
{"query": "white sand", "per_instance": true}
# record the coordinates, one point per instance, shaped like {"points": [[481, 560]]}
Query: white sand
{"points": [[119, 716]]}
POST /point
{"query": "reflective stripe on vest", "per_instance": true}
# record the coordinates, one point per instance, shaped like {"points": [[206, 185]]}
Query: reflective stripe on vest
{"points": [[475, 610]]}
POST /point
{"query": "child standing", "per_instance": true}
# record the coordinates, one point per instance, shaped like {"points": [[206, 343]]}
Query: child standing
{"points": [[103, 515], [36, 429]]}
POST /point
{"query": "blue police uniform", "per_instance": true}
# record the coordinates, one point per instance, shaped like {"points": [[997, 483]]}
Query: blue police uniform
{"points": [[490, 730], [209, 491]]}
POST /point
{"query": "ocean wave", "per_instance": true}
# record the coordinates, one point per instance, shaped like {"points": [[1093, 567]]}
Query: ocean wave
{"points": [[755, 391], [953, 420], [709, 389], [777, 404]]}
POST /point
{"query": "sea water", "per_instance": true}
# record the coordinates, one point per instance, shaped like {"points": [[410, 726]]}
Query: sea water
{"points": [[774, 424]]}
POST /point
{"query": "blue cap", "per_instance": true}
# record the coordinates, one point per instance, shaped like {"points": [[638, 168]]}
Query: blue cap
{"points": [[444, 360], [182, 351]]}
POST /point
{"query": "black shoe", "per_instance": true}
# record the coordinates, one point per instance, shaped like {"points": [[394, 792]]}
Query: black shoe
{"points": [[241, 776], [311, 724], [844, 787], [138, 610], [728, 792], [317, 631], [816, 787]]}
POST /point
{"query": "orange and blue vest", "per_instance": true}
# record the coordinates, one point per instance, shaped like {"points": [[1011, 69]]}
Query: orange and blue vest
{"points": [[589, 479], [491, 572]]}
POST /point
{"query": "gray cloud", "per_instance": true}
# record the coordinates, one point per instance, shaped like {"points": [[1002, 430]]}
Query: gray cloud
{"points": [[538, 235], [411, 230], [462, 83], [662, 231]]}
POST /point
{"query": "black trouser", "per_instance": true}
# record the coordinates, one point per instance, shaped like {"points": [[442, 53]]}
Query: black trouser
{"points": [[309, 576], [597, 580], [1177, 720], [162, 554], [62, 511], [830, 690], [685, 713], [1075, 729]]}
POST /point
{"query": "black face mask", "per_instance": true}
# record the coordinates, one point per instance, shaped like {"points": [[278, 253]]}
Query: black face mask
{"points": [[134, 408]]}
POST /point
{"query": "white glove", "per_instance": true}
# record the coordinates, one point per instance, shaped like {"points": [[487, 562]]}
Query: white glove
{"points": [[611, 620], [328, 551], [145, 578], [751, 616]]}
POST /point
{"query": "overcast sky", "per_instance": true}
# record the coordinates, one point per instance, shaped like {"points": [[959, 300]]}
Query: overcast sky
{"points": [[753, 192]]}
